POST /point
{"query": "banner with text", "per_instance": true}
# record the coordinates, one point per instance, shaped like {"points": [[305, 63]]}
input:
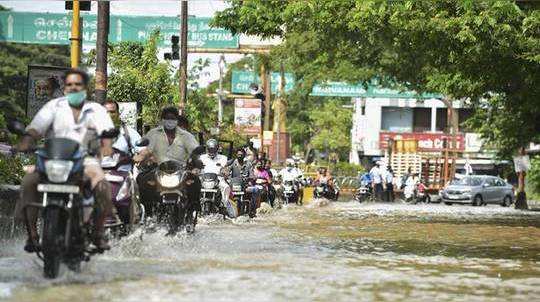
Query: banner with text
{"points": [[426, 141], [241, 80], [53, 28]]}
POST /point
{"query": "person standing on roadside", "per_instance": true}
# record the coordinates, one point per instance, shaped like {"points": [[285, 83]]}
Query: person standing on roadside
{"points": [[377, 181], [389, 180]]}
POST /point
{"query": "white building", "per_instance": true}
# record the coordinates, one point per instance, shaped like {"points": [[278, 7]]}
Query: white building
{"points": [[376, 119]]}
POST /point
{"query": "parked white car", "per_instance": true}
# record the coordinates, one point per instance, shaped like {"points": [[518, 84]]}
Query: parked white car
{"points": [[478, 190]]}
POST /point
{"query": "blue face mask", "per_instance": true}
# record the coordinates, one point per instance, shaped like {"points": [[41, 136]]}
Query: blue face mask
{"points": [[76, 99]]}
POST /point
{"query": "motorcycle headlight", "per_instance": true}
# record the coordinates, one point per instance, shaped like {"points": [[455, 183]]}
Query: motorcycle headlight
{"points": [[208, 185], [169, 180], [237, 188], [58, 170]]}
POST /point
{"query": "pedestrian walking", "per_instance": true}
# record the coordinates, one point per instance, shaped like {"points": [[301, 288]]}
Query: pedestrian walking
{"points": [[389, 180]]}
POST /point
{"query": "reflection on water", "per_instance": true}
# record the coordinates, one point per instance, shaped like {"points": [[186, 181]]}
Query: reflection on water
{"points": [[339, 252]]}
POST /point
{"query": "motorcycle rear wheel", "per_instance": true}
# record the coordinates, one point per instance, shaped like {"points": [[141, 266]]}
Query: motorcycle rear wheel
{"points": [[52, 239]]}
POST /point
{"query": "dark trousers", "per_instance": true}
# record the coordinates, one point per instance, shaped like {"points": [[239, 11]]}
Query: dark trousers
{"points": [[378, 190], [389, 193]]}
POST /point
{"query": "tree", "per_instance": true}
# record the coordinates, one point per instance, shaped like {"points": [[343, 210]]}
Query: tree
{"points": [[483, 51], [331, 128]]}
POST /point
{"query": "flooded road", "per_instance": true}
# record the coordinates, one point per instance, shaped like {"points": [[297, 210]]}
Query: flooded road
{"points": [[339, 252]]}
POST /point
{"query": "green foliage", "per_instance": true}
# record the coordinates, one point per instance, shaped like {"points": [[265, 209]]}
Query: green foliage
{"points": [[11, 170], [331, 128], [533, 178], [485, 51], [346, 169], [138, 76]]}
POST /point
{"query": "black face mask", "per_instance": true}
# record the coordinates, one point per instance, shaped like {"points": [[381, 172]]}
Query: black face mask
{"points": [[240, 157]]}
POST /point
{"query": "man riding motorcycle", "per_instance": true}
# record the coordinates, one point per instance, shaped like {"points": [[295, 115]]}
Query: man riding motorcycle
{"points": [[324, 178], [72, 117], [242, 168], [214, 163], [291, 174], [166, 142]]}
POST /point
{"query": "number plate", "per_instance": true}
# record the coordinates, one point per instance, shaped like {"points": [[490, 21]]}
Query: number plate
{"points": [[50, 188], [453, 196]]}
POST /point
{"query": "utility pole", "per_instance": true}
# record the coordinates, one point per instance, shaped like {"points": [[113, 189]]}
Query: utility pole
{"points": [[76, 35], [101, 50], [183, 55], [221, 65]]}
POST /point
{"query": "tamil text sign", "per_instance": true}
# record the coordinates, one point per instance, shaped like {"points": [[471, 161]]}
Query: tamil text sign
{"points": [[49, 28], [247, 116], [241, 80], [343, 89]]}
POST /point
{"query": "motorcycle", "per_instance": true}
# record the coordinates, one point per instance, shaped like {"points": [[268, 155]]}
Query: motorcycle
{"points": [[363, 193], [129, 211], [172, 180], [67, 204], [323, 190], [238, 188], [210, 194], [290, 192]]}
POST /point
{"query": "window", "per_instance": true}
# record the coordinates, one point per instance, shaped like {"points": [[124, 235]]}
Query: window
{"points": [[442, 119], [396, 119], [421, 119]]}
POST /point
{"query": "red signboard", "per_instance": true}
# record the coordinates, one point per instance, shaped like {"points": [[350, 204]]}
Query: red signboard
{"points": [[426, 141]]}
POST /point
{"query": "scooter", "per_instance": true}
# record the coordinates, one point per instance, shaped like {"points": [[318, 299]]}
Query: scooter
{"points": [[363, 193], [129, 211]]}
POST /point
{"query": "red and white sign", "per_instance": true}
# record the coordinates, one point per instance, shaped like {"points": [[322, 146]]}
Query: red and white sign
{"points": [[426, 141], [247, 116]]}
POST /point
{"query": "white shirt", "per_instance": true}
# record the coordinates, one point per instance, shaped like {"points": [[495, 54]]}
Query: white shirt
{"points": [[289, 174], [213, 165], [55, 119], [121, 143], [376, 175]]}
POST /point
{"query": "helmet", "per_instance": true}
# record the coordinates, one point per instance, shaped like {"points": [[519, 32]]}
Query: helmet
{"points": [[289, 162], [212, 147]]}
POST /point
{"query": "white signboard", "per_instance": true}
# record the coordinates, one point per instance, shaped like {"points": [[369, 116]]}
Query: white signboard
{"points": [[247, 116], [522, 163]]}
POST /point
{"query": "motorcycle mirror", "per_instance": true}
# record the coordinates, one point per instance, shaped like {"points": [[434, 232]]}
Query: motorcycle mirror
{"points": [[16, 127], [143, 142], [111, 133]]}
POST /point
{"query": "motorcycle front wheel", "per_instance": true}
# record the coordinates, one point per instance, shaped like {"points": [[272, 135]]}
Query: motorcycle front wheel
{"points": [[51, 241]]}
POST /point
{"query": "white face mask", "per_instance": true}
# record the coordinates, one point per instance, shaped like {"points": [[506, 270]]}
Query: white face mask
{"points": [[169, 124]]}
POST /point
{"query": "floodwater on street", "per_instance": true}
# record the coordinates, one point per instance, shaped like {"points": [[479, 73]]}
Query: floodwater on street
{"points": [[342, 251]]}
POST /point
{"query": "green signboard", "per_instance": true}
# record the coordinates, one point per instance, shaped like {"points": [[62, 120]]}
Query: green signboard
{"points": [[241, 80], [49, 28], [343, 89], [338, 89]]}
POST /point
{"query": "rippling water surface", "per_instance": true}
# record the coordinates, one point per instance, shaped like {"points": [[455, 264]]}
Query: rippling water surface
{"points": [[338, 252]]}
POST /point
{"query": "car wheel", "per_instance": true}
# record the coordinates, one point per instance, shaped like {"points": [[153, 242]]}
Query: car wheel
{"points": [[507, 201], [477, 201]]}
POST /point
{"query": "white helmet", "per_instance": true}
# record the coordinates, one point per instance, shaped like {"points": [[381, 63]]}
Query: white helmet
{"points": [[289, 162]]}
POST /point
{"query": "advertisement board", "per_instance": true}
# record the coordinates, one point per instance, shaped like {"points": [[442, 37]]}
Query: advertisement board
{"points": [[44, 83], [247, 116], [426, 141]]}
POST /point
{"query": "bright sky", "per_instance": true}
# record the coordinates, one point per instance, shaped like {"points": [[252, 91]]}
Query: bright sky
{"points": [[199, 8]]}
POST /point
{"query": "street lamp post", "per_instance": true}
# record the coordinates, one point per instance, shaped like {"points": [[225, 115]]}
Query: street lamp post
{"points": [[221, 65]]}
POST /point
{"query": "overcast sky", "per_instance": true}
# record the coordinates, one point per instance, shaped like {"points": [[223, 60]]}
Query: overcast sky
{"points": [[200, 8]]}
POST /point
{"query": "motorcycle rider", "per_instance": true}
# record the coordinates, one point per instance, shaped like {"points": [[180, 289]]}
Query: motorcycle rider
{"points": [[128, 136], [241, 167], [213, 163], [74, 117], [324, 177], [166, 142], [261, 173], [125, 146], [291, 173]]}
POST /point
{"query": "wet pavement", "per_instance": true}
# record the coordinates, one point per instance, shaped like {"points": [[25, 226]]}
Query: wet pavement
{"points": [[341, 251]]}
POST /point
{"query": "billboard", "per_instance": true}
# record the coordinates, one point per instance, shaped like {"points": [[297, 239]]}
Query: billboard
{"points": [[44, 83], [247, 116], [426, 141]]}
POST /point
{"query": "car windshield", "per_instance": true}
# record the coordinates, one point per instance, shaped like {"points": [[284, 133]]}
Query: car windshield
{"points": [[467, 181]]}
